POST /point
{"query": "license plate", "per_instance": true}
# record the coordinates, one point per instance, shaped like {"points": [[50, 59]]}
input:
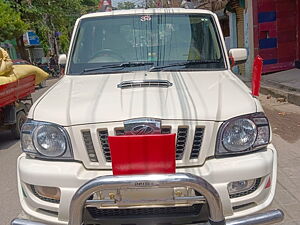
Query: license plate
{"points": [[136, 197]]}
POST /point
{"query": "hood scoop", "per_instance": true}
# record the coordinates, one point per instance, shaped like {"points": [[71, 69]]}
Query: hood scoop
{"points": [[144, 83]]}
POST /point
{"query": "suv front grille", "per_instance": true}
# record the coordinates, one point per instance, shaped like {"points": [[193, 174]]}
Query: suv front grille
{"points": [[184, 133]]}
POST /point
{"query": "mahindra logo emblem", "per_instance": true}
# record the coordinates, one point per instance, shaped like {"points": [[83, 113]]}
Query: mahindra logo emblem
{"points": [[142, 126], [142, 129]]}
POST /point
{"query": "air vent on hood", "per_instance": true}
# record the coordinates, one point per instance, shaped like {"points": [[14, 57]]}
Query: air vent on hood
{"points": [[145, 83]]}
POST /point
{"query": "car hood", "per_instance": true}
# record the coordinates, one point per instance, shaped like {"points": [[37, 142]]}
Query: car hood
{"points": [[201, 95]]}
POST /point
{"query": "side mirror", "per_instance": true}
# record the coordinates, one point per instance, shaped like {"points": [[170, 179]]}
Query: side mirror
{"points": [[62, 59], [237, 55]]}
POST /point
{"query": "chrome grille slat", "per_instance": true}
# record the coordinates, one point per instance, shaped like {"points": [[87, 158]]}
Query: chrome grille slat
{"points": [[181, 141], [103, 136], [197, 143], [87, 138]]}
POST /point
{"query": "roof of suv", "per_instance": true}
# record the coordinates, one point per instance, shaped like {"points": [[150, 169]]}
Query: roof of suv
{"points": [[147, 11]]}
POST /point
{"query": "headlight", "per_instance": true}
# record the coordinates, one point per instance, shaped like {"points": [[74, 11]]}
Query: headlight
{"points": [[243, 134], [239, 135], [50, 141], [45, 140]]}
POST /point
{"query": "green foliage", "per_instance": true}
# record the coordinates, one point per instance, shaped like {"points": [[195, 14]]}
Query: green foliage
{"points": [[126, 5], [64, 42], [11, 25], [90, 4], [49, 16]]}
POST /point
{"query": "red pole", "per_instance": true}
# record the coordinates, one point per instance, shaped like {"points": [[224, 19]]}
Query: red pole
{"points": [[256, 75]]}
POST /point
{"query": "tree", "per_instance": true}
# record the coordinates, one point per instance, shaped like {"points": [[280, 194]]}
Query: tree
{"points": [[11, 25], [52, 20], [126, 5]]}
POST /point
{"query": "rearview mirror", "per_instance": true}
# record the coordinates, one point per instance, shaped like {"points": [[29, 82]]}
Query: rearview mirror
{"points": [[238, 55], [62, 59]]}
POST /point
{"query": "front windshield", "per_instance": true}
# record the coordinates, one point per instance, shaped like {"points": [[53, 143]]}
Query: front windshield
{"points": [[155, 40]]}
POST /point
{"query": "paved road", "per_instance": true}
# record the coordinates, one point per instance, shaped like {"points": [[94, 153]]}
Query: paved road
{"points": [[9, 151], [285, 120]]}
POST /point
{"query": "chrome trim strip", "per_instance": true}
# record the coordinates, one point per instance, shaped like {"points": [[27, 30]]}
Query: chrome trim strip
{"points": [[25, 222]]}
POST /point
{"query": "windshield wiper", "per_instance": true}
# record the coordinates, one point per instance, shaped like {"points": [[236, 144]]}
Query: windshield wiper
{"points": [[187, 63], [122, 65]]}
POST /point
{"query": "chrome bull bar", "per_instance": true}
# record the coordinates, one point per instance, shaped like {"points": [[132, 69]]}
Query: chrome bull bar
{"points": [[145, 181], [216, 217]]}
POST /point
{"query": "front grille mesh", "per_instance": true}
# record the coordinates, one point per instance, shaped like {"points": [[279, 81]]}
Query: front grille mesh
{"points": [[145, 212], [181, 141], [103, 136], [197, 143], [87, 138]]}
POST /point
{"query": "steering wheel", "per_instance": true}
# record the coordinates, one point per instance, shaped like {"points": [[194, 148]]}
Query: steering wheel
{"points": [[109, 53]]}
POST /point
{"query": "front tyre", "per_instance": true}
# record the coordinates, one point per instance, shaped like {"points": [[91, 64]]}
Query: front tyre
{"points": [[16, 128]]}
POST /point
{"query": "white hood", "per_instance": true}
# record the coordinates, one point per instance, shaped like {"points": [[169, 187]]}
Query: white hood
{"points": [[74, 100]]}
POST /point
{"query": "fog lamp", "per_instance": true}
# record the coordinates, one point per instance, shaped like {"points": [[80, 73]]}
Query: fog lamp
{"points": [[241, 186], [48, 192]]}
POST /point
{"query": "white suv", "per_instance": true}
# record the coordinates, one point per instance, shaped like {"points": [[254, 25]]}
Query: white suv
{"points": [[147, 71]]}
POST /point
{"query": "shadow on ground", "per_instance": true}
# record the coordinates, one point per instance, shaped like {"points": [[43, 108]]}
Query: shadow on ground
{"points": [[6, 140]]}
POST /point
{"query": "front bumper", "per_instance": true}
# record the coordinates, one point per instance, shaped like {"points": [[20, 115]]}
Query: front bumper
{"points": [[81, 200], [273, 216], [68, 176]]}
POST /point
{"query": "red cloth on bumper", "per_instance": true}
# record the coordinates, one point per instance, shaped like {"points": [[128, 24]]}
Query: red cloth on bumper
{"points": [[142, 154]]}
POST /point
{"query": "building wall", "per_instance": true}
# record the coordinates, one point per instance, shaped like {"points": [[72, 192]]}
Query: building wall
{"points": [[276, 27], [248, 31]]}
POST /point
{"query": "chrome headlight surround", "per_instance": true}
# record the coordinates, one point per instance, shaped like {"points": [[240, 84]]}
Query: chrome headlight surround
{"points": [[260, 136], [45, 140]]}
